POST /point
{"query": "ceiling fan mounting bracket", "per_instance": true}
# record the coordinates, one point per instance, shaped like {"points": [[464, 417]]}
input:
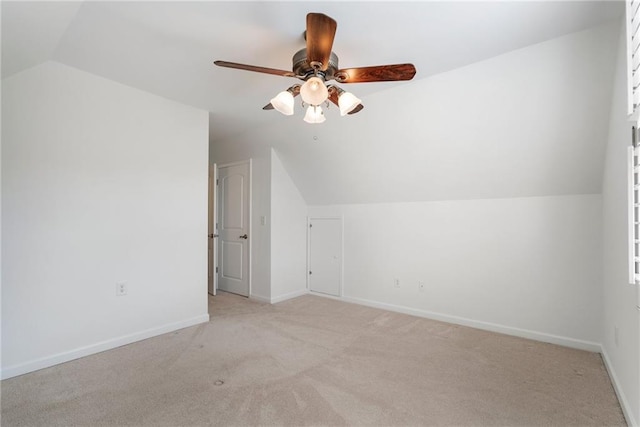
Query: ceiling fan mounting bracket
{"points": [[304, 69]]}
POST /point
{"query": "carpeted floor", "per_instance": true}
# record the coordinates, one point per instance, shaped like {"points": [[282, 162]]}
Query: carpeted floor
{"points": [[317, 361]]}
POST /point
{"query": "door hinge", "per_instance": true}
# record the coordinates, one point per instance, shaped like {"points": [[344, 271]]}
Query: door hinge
{"points": [[217, 181], [216, 269], [216, 225], [310, 272], [310, 225]]}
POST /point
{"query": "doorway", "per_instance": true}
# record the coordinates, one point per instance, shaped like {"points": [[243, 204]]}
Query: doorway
{"points": [[232, 227]]}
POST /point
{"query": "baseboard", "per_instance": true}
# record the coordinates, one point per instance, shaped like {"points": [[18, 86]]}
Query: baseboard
{"points": [[260, 298], [290, 295], [335, 297], [624, 403], [487, 326], [56, 359]]}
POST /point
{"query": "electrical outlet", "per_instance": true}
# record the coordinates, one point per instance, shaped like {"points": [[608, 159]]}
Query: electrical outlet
{"points": [[121, 288], [396, 283], [421, 286], [615, 335]]}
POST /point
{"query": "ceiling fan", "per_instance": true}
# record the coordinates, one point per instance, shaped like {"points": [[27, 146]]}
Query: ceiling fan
{"points": [[317, 64]]}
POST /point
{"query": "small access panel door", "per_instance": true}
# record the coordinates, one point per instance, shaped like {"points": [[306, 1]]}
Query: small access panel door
{"points": [[325, 255]]}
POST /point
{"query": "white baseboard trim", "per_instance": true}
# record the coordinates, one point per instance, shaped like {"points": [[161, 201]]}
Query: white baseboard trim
{"points": [[624, 403], [290, 295], [56, 359], [260, 298], [487, 326], [335, 297]]}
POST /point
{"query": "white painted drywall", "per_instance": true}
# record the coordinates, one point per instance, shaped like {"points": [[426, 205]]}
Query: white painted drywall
{"points": [[288, 235], [260, 238], [100, 183], [526, 266], [618, 297]]}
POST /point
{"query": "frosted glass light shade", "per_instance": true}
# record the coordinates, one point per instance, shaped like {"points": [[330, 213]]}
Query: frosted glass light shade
{"points": [[314, 115], [314, 91], [347, 102], [283, 102]]}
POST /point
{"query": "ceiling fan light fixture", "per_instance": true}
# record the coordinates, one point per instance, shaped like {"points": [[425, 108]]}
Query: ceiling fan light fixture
{"points": [[316, 65], [283, 102], [314, 115], [347, 103], [314, 91]]}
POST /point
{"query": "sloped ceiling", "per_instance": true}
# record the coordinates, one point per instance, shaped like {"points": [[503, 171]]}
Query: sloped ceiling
{"points": [[31, 32], [168, 48]]}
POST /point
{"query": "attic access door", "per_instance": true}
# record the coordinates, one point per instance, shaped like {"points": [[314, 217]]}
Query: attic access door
{"points": [[234, 214], [325, 256]]}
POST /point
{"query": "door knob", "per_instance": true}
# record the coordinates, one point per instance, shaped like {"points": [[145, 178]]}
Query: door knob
{"points": [[244, 236], [211, 236]]}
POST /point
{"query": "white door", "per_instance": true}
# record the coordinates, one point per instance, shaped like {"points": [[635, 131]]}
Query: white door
{"points": [[325, 255], [213, 234], [233, 228]]}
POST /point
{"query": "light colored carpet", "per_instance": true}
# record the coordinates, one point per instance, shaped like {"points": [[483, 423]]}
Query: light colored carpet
{"points": [[317, 361]]}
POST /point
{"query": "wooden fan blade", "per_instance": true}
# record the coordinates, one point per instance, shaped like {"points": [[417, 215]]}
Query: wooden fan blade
{"points": [[333, 96], [380, 73], [321, 30], [265, 70]]}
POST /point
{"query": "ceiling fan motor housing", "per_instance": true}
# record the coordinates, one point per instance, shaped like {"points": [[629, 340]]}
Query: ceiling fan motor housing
{"points": [[304, 70]]}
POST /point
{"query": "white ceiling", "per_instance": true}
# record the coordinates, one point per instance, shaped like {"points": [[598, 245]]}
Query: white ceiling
{"points": [[168, 48]]}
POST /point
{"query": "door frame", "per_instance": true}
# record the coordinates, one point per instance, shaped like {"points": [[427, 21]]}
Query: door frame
{"points": [[212, 220], [321, 217], [217, 201]]}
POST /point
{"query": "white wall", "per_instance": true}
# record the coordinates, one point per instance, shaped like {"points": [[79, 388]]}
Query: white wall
{"points": [[527, 266], [288, 235], [100, 183], [222, 152], [618, 297]]}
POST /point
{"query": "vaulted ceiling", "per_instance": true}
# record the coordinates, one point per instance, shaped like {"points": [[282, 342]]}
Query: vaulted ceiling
{"points": [[168, 48]]}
